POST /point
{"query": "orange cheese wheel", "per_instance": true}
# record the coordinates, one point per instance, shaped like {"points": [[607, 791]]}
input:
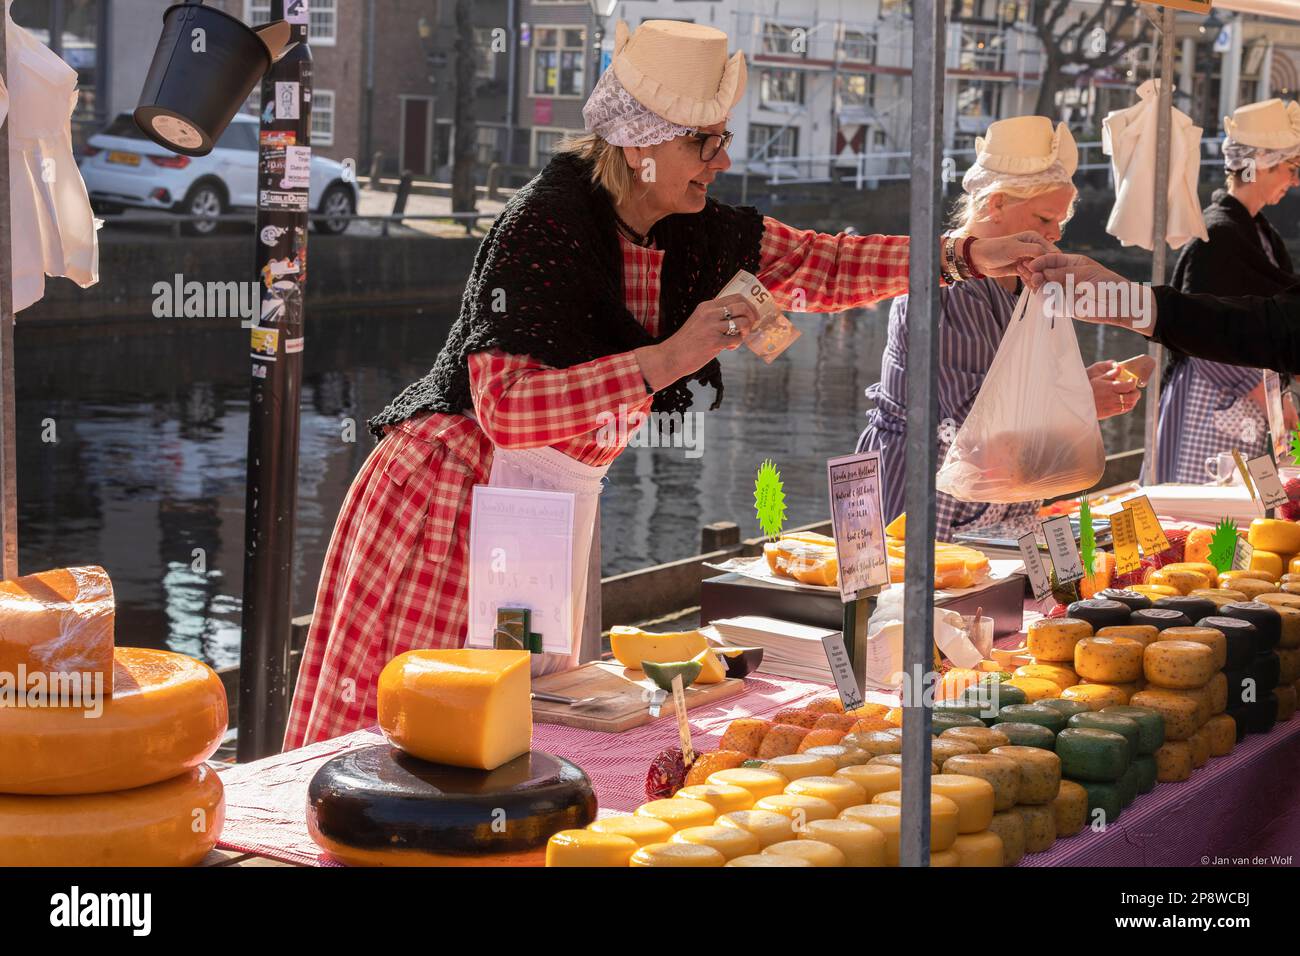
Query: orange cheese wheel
{"points": [[1181, 714], [816, 852], [731, 842], [1269, 561], [978, 849], [1221, 732], [873, 778], [1273, 534], [166, 716], [1053, 639], [1220, 596], [172, 823], [798, 807], [1181, 581], [840, 791], [944, 817], [1178, 664], [1144, 634], [1154, 591], [640, 830], [1200, 744], [769, 827], [1059, 674], [1288, 664], [1097, 696], [724, 797], [1228, 579], [861, 843], [1210, 637], [759, 783], [589, 848], [1009, 825], [1174, 761], [886, 818], [1109, 660], [1036, 688], [677, 855], [60, 622], [1217, 691], [1070, 808], [973, 796], [1290, 637]]}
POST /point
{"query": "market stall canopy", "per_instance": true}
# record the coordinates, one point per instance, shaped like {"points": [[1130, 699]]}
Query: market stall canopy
{"points": [[1283, 9]]}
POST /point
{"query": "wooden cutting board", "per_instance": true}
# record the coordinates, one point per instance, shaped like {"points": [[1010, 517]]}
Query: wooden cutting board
{"points": [[628, 703]]}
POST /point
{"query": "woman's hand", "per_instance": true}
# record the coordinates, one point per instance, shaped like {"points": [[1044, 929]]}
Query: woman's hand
{"points": [[1114, 300], [702, 336], [1001, 256], [1113, 392]]}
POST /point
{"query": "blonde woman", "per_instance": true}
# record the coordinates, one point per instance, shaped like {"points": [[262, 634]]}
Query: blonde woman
{"points": [[594, 294], [1022, 179]]}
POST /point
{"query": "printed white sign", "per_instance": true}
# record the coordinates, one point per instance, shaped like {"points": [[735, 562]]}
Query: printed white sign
{"points": [[842, 670], [1061, 548], [297, 168], [1242, 554], [1264, 473], [1038, 579], [286, 99], [856, 522]]}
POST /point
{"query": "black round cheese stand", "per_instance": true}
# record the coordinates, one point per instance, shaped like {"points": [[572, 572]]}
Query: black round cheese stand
{"points": [[379, 806]]}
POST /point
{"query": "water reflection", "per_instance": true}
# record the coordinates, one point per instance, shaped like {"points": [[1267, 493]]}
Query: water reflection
{"points": [[131, 455]]}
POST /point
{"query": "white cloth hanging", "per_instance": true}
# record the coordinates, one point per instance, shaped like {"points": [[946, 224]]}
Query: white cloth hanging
{"points": [[1129, 138], [53, 228]]}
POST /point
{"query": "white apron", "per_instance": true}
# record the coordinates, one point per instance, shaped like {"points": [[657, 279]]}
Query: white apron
{"points": [[545, 469]]}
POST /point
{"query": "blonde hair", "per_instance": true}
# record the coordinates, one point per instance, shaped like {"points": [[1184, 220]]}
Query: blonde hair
{"points": [[609, 167], [968, 209]]}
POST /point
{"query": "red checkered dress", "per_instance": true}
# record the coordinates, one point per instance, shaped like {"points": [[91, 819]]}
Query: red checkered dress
{"points": [[395, 576]]}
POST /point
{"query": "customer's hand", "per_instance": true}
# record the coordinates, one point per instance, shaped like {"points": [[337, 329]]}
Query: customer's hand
{"points": [[1111, 299], [1001, 256], [1113, 392], [700, 339]]}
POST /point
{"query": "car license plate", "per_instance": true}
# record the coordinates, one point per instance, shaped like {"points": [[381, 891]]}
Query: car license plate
{"points": [[126, 159]]}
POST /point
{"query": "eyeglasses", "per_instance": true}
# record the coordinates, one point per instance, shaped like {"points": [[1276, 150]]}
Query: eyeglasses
{"points": [[711, 143]]}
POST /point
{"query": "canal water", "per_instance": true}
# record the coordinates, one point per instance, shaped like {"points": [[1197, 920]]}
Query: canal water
{"points": [[131, 454]]}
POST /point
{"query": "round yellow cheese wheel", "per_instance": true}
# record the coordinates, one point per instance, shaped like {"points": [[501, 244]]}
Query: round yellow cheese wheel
{"points": [[1154, 591], [760, 859], [679, 812], [1180, 581], [1059, 674], [1276, 599], [1097, 696], [1286, 701], [1002, 772], [941, 749], [973, 796], [877, 742], [167, 715], [1036, 688], [1269, 561], [896, 760], [589, 848], [1070, 808], [873, 778], [1040, 772], [944, 816], [840, 791], [861, 843], [978, 849], [1040, 826], [1290, 637], [1200, 567], [1108, 660], [985, 738], [759, 783], [798, 807], [640, 830], [769, 827], [724, 797], [1253, 587], [1053, 639], [1009, 825], [172, 823], [945, 858], [1220, 596], [794, 766], [885, 818], [1221, 732], [1174, 761], [1179, 665], [816, 852], [841, 755], [729, 841], [1217, 692], [1212, 638], [1288, 660], [677, 854], [1200, 748], [1272, 534], [1144, 634], [1182, 714]]}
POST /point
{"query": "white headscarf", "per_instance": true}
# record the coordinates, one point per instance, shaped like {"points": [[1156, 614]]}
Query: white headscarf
{"points": [[613, 114]]}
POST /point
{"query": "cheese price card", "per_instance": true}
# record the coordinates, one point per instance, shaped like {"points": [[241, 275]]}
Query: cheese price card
{"points": [[1062, 549], [1264, 473], [1038, 579], [1123, 535], [857, 524], [1149, 533]]}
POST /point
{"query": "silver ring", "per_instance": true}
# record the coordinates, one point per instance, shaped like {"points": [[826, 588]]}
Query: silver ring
{"points": [[726, 311], [731, 328]]}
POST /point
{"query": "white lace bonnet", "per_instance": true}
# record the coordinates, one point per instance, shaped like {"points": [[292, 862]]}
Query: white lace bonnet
{"points": [[1264, 134], [666, 78], [1020, 153]]}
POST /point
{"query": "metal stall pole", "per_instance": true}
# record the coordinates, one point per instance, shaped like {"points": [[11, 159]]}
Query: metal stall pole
{"points": [[8, 462], [923, 414], [1160, 248], [280, 240]]}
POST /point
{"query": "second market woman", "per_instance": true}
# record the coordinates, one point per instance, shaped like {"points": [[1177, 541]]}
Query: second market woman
{"points": [[594, 293]]}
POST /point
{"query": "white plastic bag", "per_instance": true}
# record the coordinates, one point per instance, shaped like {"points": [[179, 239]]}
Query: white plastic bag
{"points": [[1032, 432]]}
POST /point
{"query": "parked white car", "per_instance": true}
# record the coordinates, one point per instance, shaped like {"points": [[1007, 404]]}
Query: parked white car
{"points": [[122, 167]]}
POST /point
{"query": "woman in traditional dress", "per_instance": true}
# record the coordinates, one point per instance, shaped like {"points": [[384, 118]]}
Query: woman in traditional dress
{"points": [[593, 294]]}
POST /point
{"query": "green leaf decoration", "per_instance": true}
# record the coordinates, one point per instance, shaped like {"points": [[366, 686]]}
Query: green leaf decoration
{"points": [[769, 499], [1087, 538], [1223, 545], [1295, 445]]}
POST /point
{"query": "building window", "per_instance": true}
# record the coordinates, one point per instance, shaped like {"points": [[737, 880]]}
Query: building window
{"points": [[979, 98], [486, 145], [981, 50], [878, 140], [559, 61], [857, 45], [895, 8], [322, 117], [485, 65], [772, 142], [781, 38], [780, 87], [321, 28], [857, 90], [544, 142]]}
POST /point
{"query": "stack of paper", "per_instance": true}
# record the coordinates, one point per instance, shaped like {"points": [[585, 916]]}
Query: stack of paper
{"points": [[1205, 504], [789, 649]]}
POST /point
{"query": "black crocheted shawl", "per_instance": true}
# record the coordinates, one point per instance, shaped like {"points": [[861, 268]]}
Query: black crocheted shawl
{"points": [[548, 282]]}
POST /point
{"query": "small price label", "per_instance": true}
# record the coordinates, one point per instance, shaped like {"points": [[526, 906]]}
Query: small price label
{"points": [[683, 727], [1123, 534], [1062, 549], [1149, 533], [1242, 554], [1038, 580], [1264, 473], [837, 656]]}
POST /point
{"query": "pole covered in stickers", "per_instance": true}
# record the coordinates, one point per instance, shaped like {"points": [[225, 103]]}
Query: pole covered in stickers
{"points": [[275, 355]]}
